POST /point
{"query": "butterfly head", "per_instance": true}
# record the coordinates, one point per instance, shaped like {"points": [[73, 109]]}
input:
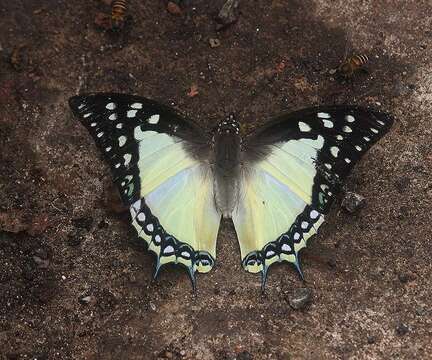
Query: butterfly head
{"points": [[228, 126], [226, 143]]}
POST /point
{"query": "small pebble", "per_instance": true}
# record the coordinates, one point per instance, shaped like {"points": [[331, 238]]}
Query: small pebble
{"points": [[173, 8], [420, 311], [378, 271], [406, 277], [371, 339], [228, 14], [85, 300], [353, 202], [402, 329], [299, 298], [214, 43]]}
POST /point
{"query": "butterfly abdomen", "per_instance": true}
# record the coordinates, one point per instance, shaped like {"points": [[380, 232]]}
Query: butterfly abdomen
{"points": [[226, 166]]}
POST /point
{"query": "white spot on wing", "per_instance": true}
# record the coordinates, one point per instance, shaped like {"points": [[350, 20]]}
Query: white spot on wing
{"points": [[100, 134], [346, 129], [131, 113], [136, 106], [314, 214], [328, 166], [119, 125], [347, 160], [374, 130], [366, 138], [87, 115], [157, 239], [128, 158], [108, 149], [122, 140], [304, 224], [81, 106], [93, 124], [136, 206], [111, 106], [334, 151], [339, 137], [150, 227], [141, 217], [113, 116], [185, 254], [270, 253], [328, 124], [381, 122], [286, 247], [296, 236], [350, 118], [358, 148], [304, 127], [154, 119], [169, 249], [323, 115]]}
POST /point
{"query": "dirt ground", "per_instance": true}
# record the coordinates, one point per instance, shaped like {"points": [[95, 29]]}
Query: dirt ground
{"points": [[74, 282]]}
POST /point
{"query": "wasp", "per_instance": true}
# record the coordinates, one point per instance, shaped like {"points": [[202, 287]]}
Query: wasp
{"points": [[118, 11], [352, 64]]}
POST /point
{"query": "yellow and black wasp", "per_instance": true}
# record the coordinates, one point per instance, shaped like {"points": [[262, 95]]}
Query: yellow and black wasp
{"points": [[352, 65], [118, 14]]}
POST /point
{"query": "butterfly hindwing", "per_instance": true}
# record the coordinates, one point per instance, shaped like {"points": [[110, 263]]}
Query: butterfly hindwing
{"points": [[158, 162], [294, 167]]}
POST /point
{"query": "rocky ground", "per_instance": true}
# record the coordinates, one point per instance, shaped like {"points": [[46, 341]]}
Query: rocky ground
{"points": [[74, 282]]}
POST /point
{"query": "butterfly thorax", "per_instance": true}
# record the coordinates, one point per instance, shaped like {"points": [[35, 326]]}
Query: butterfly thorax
{"points": [[226, 165]]}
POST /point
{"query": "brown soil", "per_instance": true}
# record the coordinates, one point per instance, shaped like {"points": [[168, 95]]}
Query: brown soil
{"points": [[370, 272]]}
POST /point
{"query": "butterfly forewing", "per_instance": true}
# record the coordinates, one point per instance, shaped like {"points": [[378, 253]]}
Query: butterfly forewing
{"points": [[118, 123], [158, 160], [295, 165]]}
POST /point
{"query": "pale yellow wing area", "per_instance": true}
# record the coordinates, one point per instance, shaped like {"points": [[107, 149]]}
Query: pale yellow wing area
{"points": [[274, 217], [176, 214]]}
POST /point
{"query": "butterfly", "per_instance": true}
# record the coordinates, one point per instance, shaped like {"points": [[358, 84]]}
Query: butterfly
{"points": [[179, 181]]}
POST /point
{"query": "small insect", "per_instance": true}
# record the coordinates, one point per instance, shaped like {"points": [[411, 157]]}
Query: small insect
{"points": [[118, 11], [352, 65]]}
